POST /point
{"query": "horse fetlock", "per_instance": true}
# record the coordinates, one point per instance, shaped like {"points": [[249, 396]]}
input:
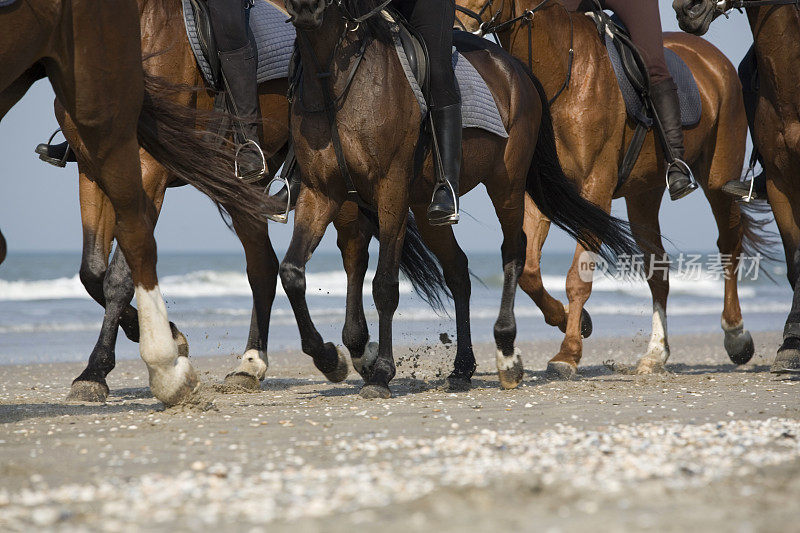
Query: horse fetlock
{"points": [[334, 364], [254, 363], [364, 364]]}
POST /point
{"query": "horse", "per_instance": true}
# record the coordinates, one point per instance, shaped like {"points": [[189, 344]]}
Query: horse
{"points": [[776, 31], [366, 139], [592, 140], [168, 55], [3, 248], [91, 53]]}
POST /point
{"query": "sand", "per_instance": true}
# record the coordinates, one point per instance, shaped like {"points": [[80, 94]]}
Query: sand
{"points": [[709, 446]]}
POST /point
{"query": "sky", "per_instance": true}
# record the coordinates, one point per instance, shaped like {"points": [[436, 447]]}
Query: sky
{"points": [[39, 208]]}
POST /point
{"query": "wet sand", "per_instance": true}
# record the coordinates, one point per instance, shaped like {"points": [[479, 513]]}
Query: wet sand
{"points": [[709, 445]]}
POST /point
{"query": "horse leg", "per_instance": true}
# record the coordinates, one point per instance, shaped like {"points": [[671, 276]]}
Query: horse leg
{"points": [[393, 214], [509, 207], [353, 242], [443, 244], [643, 215], [262, 273], [313, 213], [788, 356], [738, 342], [536, 227]]}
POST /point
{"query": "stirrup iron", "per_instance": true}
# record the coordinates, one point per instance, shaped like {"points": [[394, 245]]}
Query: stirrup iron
{"points": [[677, 162], [281, 218], [449, 220], [60, 163], [251, 177]]}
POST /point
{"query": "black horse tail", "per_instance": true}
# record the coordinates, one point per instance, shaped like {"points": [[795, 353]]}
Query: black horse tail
{"points": [[757, 239], [169, 132], [3, 248], [559, 200], [417, 263]]}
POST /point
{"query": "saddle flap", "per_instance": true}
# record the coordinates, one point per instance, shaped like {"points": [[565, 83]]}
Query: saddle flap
{"points": [[201, 21], [413, 46]]}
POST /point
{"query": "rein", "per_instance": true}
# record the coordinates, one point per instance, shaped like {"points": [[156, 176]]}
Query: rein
{"points": [[492, 26], [723, 7]]}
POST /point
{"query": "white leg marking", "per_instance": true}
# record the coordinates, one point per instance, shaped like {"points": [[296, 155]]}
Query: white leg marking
{"points": [[507, 363], [728, 327], [658, 347], [254, 362], [172, 378]]}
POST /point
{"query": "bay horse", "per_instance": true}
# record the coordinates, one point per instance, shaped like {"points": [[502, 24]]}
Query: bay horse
{"points": [[91, 53], [593, 132], [776, 32], [168, 55], [366, 138]]}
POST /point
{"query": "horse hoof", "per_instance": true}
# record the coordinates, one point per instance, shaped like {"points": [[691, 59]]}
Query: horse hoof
{"points": [[455, 383], [788, 358], [647, 366], [88, 391], [559, 370], [586, 324], [371, 392], [363, 365], [174, 384], [509, 369], [739, 345], [243, 380], [338, 374]]}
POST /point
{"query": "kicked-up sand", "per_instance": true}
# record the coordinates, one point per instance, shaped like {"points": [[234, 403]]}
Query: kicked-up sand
{"points": [[708, 446]]}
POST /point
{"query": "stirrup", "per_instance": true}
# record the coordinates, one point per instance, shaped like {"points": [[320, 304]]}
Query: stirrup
{"points": [[448, 220], [60, 163], [751, 171], [250, 177], [692, 182], [282, 218]]}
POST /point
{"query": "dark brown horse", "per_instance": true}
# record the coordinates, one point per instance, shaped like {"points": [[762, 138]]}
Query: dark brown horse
{"points": [[3, 248], [166, 46], [776, 30], [91, 53], [592, 140], [355, 119]]}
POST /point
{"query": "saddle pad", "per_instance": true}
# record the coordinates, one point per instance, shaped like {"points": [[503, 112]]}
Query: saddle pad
{"points": [[273, 36], [478, 108], [688, 93], [4, 3]]}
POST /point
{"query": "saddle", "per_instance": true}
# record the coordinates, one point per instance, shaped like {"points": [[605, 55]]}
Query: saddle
{"points": [[634, 84]]}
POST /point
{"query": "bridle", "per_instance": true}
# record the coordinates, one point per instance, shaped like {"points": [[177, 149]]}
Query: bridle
{"points": [[724, 7], [492, 26]]}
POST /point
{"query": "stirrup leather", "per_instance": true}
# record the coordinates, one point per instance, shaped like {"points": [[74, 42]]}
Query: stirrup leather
{"points": [[282, 218], [253, 176], [60, 163]]}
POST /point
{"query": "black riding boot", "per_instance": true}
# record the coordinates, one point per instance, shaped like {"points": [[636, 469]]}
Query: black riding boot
{"points": [[447, 137], [288, 194], [664, 96], [239, 71], [56, 154]]}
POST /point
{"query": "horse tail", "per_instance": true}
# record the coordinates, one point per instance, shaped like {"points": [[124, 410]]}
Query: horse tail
{"points": [[757, 240], [417, 262], [169, 132], [3, 248], [559, 200]]}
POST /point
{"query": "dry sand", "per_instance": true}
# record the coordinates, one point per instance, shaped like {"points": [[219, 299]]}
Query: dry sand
{"points": [[708, 446]]}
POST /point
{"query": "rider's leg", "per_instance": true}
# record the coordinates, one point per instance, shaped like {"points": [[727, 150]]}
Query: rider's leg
{"points": [[644, 25], [239, 62], [434, 20]]}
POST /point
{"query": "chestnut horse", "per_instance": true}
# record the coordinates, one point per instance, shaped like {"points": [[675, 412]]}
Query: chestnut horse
{"points": [[776, 31], [91, 53], [592, 135], [166, 46], [356, 127]]}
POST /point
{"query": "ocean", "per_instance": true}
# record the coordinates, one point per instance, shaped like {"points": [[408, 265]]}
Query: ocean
{"points": [[46, 315]]}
